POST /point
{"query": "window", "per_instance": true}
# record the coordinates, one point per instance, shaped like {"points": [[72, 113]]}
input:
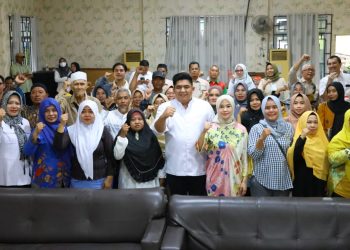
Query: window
{"points": [[25, 38], [280, 39], [167, 29]]}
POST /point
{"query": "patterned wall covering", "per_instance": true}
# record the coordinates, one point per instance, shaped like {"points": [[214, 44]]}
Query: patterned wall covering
{"points": [[96, 33], [8, 7]]}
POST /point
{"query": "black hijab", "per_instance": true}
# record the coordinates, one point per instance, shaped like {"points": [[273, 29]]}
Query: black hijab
{"points": [[63, 71], [251, 116], [338, 107], [143, 156]]}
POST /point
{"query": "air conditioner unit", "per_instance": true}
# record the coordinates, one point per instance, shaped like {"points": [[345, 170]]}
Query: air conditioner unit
{"points": [[280, 57], [132, 58]]}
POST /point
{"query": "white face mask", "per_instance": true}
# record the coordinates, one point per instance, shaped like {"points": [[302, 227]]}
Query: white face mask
{"points": [[63, 64]]}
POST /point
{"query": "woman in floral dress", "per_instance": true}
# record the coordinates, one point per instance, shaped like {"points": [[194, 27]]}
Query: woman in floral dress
{"points": [[51, 168], [225, 142]]}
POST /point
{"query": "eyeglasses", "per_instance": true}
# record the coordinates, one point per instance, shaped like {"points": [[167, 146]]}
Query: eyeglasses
{"points": [[239, 70], [214, 95]]}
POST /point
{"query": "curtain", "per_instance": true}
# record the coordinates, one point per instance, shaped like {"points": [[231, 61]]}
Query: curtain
{"points": [[16, 36], [302, 35], [34, 48], [183, 43], [224, 44]]}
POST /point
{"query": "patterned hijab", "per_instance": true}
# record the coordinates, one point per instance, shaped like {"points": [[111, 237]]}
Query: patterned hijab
{"points": [[341, 141], [15, 121]]}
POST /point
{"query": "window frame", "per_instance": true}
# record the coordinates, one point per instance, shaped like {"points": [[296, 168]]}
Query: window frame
{"points": [[324, 34]]}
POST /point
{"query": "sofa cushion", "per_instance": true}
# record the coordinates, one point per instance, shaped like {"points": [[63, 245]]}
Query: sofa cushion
{"points": [[77, 216], [262, 223]]}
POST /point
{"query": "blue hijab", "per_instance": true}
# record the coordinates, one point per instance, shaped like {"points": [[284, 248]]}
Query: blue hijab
{"points": [[50, 128], [279, 127]]}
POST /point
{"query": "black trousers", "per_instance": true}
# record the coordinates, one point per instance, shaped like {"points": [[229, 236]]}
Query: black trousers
{"points": [[186, 185]]}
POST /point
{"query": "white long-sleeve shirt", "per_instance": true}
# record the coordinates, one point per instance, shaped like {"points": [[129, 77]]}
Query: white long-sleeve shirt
{"points": [[13, 171], [181, 134]]}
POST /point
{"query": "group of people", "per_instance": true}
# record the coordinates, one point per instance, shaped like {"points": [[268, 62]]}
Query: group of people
{"points": [[199, 137]]}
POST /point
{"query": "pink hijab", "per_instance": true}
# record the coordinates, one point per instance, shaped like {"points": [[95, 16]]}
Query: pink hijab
{"points": [[293, 117]]}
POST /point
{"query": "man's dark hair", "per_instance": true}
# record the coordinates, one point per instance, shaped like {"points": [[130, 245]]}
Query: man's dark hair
{"points": [[121, 64], [162, 65], [144, 63], [182, 76], [9, 78], [194, 62], [334, 56]]}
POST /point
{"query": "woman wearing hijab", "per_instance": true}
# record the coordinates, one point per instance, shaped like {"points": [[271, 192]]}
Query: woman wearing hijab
{"points": [[240, 75], [308, 157], [270, 139], [103, 93], [74, 67], [225, 142], [61, 73], [169, 92], [298, 105], [141, 157], [137, 97], [273, 84], [240, 99], [151, 111], [339, 158], [253, 114], [93, 162], [213, 94], [14, 132], [51, 168], [332, 112]]}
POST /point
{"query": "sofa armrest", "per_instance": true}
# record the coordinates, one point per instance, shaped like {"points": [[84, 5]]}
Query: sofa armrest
{"points": [[174, 238], [154, 234]]}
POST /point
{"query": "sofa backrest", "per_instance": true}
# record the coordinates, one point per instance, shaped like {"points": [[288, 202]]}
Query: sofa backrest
{"points": [[262, 223], [72, 215]]}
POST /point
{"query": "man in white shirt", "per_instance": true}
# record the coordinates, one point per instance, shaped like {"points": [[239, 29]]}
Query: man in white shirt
{"points": [[182, 120], [307, 75], [116, 118], [200, 85], [141, 78], [335, 75]]}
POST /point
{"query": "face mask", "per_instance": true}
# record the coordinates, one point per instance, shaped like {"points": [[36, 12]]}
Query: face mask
{"points": [[63, 64]]}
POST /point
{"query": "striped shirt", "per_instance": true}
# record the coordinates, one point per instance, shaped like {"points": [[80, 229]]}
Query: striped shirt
{"points": [[270, 165]]}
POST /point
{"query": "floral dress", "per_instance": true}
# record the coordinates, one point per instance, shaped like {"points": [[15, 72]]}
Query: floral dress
{"points": [[50, 169], [226, 165]]}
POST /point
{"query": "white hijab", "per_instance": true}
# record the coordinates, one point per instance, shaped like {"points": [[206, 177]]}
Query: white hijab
{"points": [[86, 138], [218, 119]]}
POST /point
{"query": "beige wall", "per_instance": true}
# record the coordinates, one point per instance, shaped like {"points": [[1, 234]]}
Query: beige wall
{"points": [[96, 33]]}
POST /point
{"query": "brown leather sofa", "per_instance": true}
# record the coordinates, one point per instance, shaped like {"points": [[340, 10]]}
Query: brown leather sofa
{"points": [[257, 223], [81, 219]]}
